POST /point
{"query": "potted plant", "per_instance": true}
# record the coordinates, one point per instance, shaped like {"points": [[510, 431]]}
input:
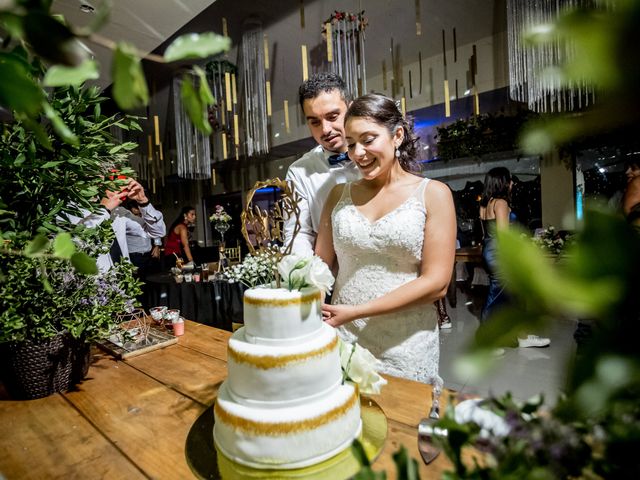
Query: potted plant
{"points": [[52, 298]]}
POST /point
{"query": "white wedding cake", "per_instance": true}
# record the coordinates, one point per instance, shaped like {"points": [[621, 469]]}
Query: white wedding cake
{"points": [[284, 404]]}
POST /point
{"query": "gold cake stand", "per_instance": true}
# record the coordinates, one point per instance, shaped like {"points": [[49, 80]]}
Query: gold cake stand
{"points": [[207, 462]]}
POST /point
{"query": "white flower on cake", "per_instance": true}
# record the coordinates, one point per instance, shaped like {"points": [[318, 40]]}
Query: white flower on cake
{"points": [[359, 366], [298, 272]]}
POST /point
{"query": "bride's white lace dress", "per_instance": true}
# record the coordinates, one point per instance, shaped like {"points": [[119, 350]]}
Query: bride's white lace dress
{"points": [[375, 258]]}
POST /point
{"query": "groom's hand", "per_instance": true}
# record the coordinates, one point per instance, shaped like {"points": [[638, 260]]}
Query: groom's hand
{"points": [[336, 315]]}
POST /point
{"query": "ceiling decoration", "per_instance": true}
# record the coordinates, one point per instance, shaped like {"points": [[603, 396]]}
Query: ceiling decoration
{"points": [[530, 63], [345, 37], [193, 149], [254, 90]]}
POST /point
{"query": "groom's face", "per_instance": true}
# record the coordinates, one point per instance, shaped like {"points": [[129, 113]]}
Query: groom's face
{"points": [[325, 118]]}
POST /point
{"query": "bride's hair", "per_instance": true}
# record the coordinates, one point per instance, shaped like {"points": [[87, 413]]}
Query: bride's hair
{"points": [[385, 112]]}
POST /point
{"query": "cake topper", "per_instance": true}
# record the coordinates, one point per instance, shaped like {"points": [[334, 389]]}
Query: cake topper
{"points": [[264, 229]]}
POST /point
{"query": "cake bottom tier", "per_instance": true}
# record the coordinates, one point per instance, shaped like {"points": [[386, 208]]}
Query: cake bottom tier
{"points": [[291, 437]]}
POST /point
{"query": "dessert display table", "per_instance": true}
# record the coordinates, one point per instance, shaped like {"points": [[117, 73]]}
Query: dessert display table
{"points": [[131, 419], [215, 303]]}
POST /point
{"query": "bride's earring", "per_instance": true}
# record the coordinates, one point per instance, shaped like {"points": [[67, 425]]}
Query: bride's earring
{"points": [[397, 153]]}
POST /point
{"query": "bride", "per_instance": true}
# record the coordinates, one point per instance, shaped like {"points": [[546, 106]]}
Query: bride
{"points": [[391, 236]]}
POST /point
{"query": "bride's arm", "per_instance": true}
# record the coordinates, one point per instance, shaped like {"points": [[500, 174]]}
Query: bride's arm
{"points": [[324, 241], [438, 254]]}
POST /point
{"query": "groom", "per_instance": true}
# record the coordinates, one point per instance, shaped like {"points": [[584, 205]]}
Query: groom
{"points": [[324, 100]]}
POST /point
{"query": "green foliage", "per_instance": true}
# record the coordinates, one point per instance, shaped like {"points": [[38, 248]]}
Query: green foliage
{"points": [[85, 304], [196, 46], [480, 135], [60, 76], [45, 180], [35, 34], [593, 430], [129, 85]]}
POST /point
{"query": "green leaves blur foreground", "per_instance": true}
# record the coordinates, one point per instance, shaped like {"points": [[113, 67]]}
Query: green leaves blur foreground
{"points": [[35, 36]]}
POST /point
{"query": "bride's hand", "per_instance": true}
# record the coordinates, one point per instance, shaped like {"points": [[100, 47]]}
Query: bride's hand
{"points": [[336, 315]]}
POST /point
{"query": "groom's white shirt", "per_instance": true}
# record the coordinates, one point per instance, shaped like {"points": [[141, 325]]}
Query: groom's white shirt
{"points": [[313, 178]]}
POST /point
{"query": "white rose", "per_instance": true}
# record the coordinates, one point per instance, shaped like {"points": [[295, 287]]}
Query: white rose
{"points": [[293, 270], [360, 366], [319, 275]]}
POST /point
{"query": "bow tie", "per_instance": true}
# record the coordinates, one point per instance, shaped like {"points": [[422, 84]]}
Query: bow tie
{"points": [[338, 158]]}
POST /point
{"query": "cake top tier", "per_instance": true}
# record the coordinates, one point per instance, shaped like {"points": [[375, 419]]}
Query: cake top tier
{"points": [[279, 316]]}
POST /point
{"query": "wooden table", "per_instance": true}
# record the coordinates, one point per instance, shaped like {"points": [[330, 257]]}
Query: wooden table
{"points": [[130, 419]]}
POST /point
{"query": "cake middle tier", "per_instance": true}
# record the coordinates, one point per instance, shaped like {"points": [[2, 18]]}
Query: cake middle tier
{"points": [[283, 375]]}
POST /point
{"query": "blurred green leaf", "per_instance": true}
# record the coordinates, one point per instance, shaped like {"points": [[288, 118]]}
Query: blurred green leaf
{"points": [[22, 93], [53, 40], [36, 246], [196, 45], [196, 109], [550, 288], [407, 467], [84, 263], [63, 246], [59, 126], [206, 97], [59, 75], [129, 84]]}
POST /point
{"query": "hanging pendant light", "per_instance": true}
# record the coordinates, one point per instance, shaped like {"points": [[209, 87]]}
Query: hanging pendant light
{"points": [[529, 63]]}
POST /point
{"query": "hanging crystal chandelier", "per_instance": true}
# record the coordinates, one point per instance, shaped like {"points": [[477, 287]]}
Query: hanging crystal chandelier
{"points": [[345, 37], [193, 149], [253, 87], [528, 61]]}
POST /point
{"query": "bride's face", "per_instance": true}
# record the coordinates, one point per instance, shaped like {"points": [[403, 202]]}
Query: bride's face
{"points": [[371, 146]]}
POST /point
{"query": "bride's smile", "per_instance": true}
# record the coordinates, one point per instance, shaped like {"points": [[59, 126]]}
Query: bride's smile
{"points": [[370, 146]]}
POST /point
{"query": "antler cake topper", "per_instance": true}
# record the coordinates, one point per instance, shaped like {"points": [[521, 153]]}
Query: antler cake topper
{"points": [[267, 227]]}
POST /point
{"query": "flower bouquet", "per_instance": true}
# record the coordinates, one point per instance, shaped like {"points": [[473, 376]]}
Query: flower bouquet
{"points": [[220, 220]]}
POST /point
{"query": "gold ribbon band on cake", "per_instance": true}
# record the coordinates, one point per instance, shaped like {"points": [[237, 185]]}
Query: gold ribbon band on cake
{"points": [[281, 302], [266, 362], [283, 428]]}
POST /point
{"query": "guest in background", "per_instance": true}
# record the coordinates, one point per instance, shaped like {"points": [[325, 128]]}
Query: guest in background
{"points": [[143, 227], [495, 214], [631, 198], [177, 242]]}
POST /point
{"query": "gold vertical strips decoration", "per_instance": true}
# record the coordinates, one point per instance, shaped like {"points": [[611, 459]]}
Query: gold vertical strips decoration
{"points": [[327, 28], [266, 52], [153, 185], [474, 71], [305, 67], [233, 88], [418, 22], [225, 32], [236, 133], [227, 88], [301, 13], [223, 117], [455, 46], [224, 146], [286, 116], [447, 102], [268, 93], [150, 147], [403, 106], [214, 180], [384, 75], [156, 127], [161, 153]]}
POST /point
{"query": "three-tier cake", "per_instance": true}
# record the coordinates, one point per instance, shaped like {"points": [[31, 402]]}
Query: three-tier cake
{"points": [[284, 403]]}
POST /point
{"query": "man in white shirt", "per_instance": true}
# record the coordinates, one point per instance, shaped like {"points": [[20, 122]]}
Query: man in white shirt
{"points": [[324, 101]]}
